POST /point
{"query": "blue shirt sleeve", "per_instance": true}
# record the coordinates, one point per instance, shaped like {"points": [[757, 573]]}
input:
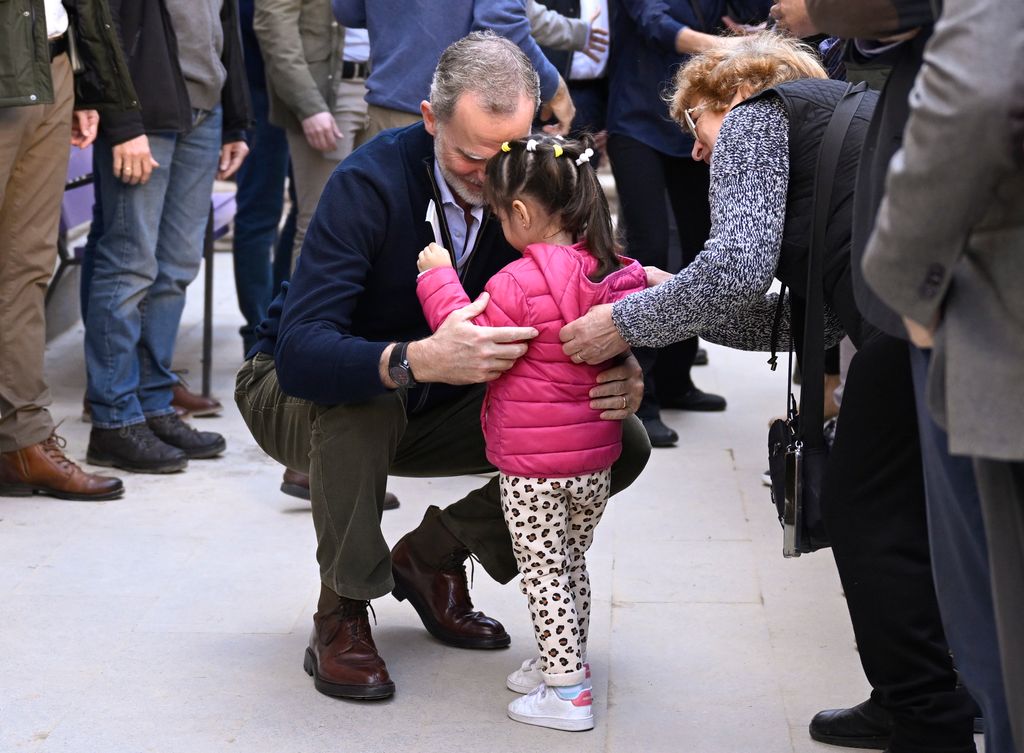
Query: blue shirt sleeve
{"points": [[507, 18], [351, 13], [656, 24]]}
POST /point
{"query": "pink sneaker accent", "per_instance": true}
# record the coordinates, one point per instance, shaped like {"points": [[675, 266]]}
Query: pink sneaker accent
{"points": [[583, 699]]}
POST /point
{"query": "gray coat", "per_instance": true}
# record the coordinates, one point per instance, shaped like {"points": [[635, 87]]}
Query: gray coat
{"points": [[949, 242]]}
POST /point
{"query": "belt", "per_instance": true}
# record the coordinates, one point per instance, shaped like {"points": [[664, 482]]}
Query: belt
{"points": [[58, 46], [352, 69]]}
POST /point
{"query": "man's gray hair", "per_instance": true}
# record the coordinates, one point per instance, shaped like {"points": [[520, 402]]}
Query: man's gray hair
{"points": [[489, 66]]}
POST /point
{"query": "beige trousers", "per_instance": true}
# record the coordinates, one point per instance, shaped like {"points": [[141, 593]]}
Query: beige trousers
{"points": [[383, 118], [311, 168], [34, 148]]}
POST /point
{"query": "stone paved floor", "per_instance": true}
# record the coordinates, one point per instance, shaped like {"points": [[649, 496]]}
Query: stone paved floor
{"points": [[174, 620]]}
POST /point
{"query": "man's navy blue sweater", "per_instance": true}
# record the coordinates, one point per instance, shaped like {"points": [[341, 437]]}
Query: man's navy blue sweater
{"points": [[354, 288]]}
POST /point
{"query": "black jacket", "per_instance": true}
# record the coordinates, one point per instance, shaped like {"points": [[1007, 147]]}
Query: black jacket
{"points": [[810, 104], [149, 43]]}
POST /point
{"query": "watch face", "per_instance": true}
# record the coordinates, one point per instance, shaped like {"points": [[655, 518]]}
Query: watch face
{"points": [[400, 375]]}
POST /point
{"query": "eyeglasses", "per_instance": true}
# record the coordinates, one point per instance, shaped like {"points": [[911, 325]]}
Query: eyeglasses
{"points": [[690, 117]]}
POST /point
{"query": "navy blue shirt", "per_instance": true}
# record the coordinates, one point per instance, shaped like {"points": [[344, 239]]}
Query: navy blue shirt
{"points": [[354, 288], [644, 60]]}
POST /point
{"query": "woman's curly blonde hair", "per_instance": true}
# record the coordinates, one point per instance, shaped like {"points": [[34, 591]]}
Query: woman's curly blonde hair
{"points": [[758, 61]]}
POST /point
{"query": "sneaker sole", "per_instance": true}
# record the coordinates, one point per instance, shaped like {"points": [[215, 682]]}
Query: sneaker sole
{"points": [[336, 690], [108, 462], [551, 722]]}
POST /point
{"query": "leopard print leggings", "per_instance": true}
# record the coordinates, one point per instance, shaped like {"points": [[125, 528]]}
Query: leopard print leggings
{"points": [[552, 525]]}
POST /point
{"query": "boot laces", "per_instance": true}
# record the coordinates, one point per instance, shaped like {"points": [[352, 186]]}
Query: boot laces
{"points": [[456, 563], [54, 446], [141, 434]]}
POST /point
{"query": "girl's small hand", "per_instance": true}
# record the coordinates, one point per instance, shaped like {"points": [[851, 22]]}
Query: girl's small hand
{"points": [[433, 256]]}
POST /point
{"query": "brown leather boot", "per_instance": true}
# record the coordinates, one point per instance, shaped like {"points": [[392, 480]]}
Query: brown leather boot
{"points": [[43, 468], [428, 568], [189, 404], [342, 658], [296, 484]]}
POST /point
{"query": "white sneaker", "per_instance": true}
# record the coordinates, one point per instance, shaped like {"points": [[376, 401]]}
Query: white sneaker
{"points": [[542, 707], [529, 676]]}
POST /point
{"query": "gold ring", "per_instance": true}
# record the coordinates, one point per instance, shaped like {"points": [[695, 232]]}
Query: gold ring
{"points": [[625, 403]]}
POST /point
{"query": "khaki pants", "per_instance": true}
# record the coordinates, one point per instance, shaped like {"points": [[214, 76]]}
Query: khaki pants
{"points": [[383, 118], [311, 168], [34, 147], [349, 450]]}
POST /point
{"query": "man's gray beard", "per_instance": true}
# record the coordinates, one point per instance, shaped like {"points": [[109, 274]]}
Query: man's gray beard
{"points": [[456, 183]]}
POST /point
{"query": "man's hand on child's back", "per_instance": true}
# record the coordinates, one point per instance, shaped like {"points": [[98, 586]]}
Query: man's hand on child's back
{"points": [[433, 256]]}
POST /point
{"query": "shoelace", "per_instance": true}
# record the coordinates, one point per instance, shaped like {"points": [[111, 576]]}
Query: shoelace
{"points": [[54, 446], [141, 434], [457, 563]]}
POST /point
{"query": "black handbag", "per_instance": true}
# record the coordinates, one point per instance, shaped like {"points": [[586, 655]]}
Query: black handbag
{"points": [[797, 451]]}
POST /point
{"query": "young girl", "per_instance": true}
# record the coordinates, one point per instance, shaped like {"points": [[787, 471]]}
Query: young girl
{"points": [[552, 449]]}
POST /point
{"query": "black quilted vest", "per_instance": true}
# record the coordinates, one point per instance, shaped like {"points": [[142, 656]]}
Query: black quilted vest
{"points": [[810, 104]]}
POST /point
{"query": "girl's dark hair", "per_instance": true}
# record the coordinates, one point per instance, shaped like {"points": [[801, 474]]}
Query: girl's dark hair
{"points": [[569, 191]]}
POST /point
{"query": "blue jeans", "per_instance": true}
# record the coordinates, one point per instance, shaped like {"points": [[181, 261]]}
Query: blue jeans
{"points": [[150, 249], [960, 565], [260, 199]]}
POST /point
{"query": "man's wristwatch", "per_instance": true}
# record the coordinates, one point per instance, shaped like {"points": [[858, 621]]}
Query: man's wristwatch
{"points": [[399, 369]]}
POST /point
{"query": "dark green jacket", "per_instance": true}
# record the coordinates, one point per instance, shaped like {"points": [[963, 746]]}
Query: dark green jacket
{"points": [[25, 56]]}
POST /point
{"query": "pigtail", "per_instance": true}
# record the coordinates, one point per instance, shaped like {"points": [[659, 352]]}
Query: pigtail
{"points": [[558, 174]]}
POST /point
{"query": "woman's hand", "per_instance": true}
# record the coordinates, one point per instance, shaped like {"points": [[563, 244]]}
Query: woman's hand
{"points": [[593, 337], [656, 276], [433, 256]]}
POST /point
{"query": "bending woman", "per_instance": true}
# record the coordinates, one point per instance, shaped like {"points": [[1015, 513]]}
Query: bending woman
{"points": [[758, 113]]}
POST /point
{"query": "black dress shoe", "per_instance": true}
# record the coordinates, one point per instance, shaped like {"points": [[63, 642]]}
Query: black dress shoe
{"points": [[694, 399], [659, 434], [195, 444], [133, 448], [866, 725]]}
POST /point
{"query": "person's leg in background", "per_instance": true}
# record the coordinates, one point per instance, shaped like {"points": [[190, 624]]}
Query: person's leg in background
{"points": [[1001, 489], [640, 179], [260, 201], [875, 518], [960, 564], [179, 254], [34, 148], [688, 183]]}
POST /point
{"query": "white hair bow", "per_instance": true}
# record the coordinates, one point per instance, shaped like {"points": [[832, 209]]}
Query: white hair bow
{"points": [[531, 145], [584, 157]]}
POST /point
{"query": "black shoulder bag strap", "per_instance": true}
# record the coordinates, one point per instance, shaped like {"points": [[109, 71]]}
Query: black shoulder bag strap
{"points": [[812, 366]]}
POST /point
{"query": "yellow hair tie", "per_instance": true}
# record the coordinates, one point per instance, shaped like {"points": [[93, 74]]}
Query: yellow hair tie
{"points": [[505, 147], [558, 150]]}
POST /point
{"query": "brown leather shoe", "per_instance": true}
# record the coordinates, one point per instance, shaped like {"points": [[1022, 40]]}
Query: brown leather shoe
{"points": [[193, 405], [428, 568], [43, 468], [342, 658], [296, 484]]}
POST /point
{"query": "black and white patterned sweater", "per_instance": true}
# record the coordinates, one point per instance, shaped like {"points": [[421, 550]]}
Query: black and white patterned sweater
{"points": [[723, 295]]}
